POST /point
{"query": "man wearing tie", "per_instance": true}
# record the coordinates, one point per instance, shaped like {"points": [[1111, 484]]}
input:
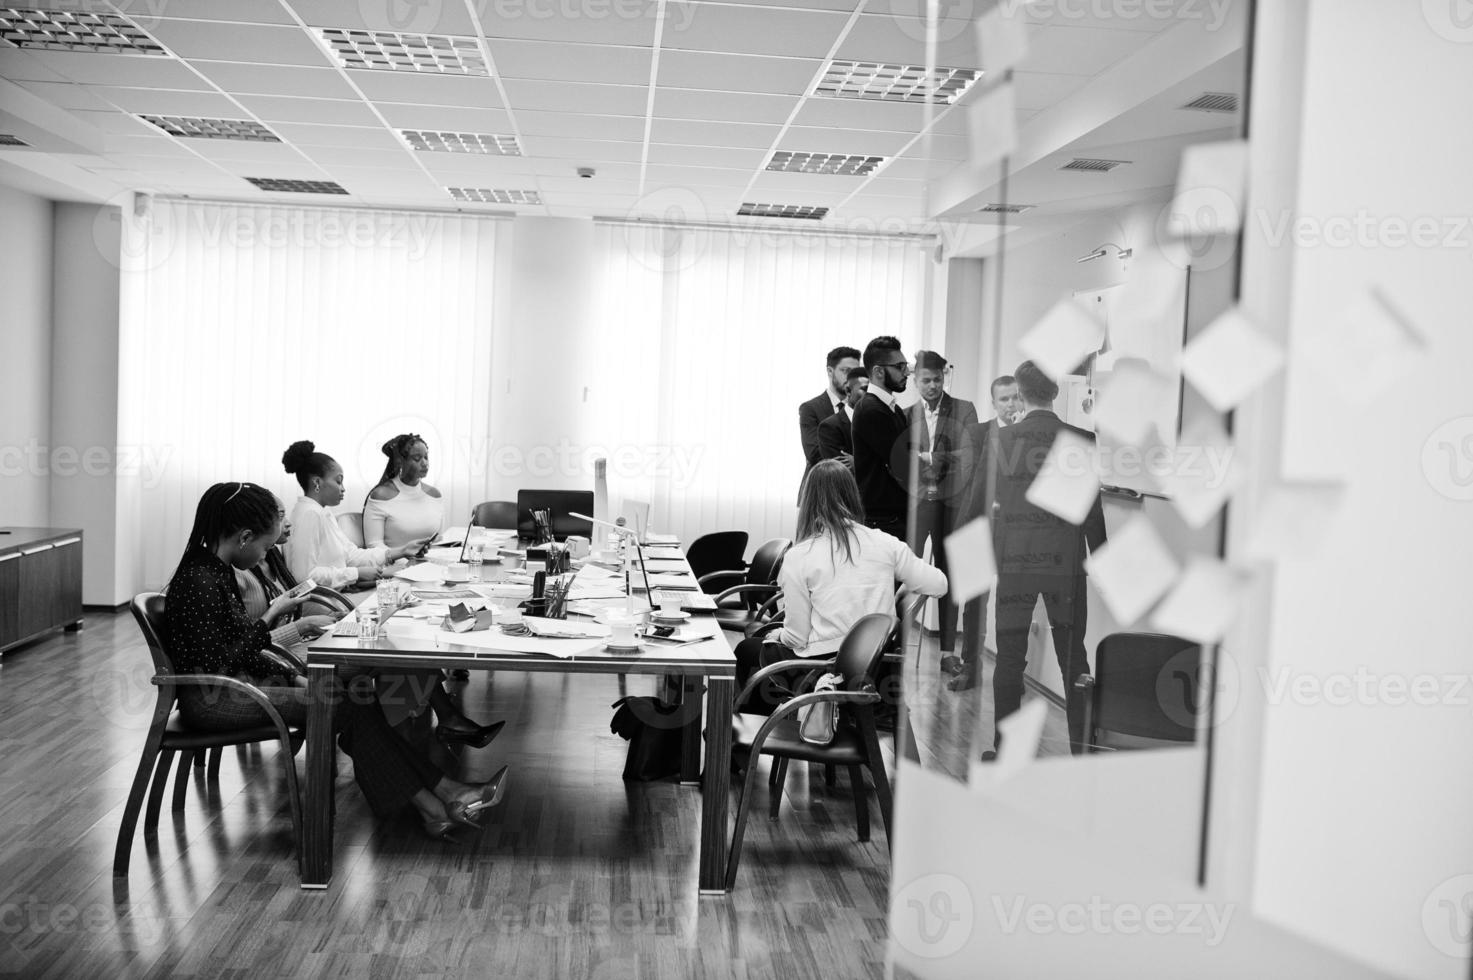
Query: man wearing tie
{"points": [[881, 443], [938, 425], [835, 438], [811, 413]]}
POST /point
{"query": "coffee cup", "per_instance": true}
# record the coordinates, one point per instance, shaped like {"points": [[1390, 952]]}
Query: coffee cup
{"points": [[670, 605], [511, 561], [622, 630], [577, 546], [457, 572]]}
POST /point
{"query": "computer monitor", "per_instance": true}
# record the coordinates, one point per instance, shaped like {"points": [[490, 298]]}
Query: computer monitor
{"points": [[636, 514], [561, 503]]}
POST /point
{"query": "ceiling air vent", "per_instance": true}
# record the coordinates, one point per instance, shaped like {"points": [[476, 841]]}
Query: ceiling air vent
{"points": [[1005, 208], [8, 140], [506, 146], [846, 165], [439, 54], [1214, 102], [810, 212], [59, 30], [189, 127], [1093, 166], [483, 195], [282, 185], [893, 83]]}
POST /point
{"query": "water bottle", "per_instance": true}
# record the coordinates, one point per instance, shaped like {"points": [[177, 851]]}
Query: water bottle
{"points": [[474, 556]]}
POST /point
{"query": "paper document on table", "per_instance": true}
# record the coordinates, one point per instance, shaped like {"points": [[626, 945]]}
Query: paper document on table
{"points": [[654, 564], [596, 590], [667, 581], [562, 629], [651, 538], [495, 641], [424, 572]]}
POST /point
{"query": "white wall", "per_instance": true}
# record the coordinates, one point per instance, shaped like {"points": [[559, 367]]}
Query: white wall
{"points": [[25, 357]]}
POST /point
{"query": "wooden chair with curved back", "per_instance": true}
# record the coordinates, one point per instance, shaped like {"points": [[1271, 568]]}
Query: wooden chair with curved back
{"points": [[500, 514], [740, 605]]}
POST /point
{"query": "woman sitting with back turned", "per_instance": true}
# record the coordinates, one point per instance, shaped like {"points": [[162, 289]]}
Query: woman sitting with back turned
{"points": [[838, 572], [209, 631], [403, 507], [318, 548]]}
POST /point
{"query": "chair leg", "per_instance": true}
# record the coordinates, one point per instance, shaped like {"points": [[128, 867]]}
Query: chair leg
{"points": [[181, 777], [199, 759], [779, 780], [740, 830], [156, 793], [294, 796], [861, 805], [830, 776], [876, 763], [214, 771], [141, 780]]}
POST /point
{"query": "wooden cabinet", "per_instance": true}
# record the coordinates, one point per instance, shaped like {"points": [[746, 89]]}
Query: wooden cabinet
{"points": [[40, 582]]}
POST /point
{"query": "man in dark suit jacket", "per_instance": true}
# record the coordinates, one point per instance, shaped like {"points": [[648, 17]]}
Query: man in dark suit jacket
{"points": [[881, 439], [1039, 554], [835, 438], [938, 426], [841, 361]]}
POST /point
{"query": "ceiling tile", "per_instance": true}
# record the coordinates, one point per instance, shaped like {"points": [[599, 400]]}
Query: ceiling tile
{"points": [[619, 100], [146, 14], [626, 22], [239, 79], [375, 137], [573, 62], [121, 123], [914, 168], [737, 73], [64, 95], [843, 5], [156, 145], [465, 166], [445, 118], [894, 117], [748, 159], [20, 66], [695, 104], [158, 102], [213, 41], [768, 30], [113, 69], [329, 156], [595, 187], [695, 133], [421, 88], [698, 176], [812, 139], [367, 180], [614, 170], [221, 151], [1081, 50], [901, 39], [586, 152], [796, 187], [412, 17], [275, 108], [573, 125], [1036, 90]]}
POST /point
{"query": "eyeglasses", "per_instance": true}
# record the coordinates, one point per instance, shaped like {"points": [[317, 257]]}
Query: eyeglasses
{"points": [[904, 366]]}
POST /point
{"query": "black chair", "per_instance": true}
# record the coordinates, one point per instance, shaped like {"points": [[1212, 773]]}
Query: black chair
{"points": [[1144, 693], [738, 606], [495, 513], [856, 745], [720, 551], [561, 503], [167, 736]]}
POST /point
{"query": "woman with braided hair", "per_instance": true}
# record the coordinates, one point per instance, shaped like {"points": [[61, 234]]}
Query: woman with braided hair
{"points": [[403, 507]]}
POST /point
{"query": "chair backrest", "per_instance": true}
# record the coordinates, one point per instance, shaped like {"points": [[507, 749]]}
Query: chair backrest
{"points": [[148, 613], [768, 561], [560, 503], [352, 525], [719, 551], [908, 608], [1147, 686], [859, 655], [495, 513]]}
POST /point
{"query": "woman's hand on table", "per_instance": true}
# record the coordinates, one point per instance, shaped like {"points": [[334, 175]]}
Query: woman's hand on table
{"points": [[311, 627]]}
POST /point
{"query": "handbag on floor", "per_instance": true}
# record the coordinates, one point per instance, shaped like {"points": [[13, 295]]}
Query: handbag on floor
{"points": [[653, 731]]}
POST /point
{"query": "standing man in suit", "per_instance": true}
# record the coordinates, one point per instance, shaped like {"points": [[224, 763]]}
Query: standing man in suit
{"points": [[938, 425], [976, 501], [841, 361], [1039, 554], [881, 439], [835, 438]]}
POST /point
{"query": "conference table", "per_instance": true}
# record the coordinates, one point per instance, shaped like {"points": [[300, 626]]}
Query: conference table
{"points": [[416, 639]]}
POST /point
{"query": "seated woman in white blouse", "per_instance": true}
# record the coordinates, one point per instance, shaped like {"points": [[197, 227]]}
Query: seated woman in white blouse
{"points": [[318, 548], [403, 507], [838, 572]]}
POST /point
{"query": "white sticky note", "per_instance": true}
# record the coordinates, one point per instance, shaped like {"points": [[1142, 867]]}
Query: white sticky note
{"points": [[971, 563], [1210, 184], [1132, 570], [1204, 602], [1068, 482], [1369, 330], [1021, 732], [1202, 472], [992, 125], [1230, 360], [1294, 521], [1068, 333], [1132, 399], [1002, 37]]}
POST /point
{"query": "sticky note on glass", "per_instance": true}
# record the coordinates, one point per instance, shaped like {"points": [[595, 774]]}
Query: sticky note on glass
{"points": [[1132, 570], [1021, 732], [1002, 37], [1204, 602], [1230, 360], [992, 125], [1132, 399], [1068, 482], [1364, 348], [1295, 520], [1068, 333], [1210, 185], [1203, 471], [971, 563]]}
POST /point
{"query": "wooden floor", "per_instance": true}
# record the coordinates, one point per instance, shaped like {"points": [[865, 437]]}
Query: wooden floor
{"points": [[578, 874]]}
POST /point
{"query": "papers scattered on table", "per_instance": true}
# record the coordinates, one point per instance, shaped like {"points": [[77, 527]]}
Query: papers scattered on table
{"points": [[1295, 521], [562, 629], [423, 572], [1230, 360], [1204, 603], [992, 126], [1132, 570], [1068, 333], [1209, 190], [1067, 484], [434, 595], [971, 563]]}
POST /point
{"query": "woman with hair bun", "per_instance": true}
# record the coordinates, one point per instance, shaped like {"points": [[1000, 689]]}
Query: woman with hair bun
{"points": [[318, 548], [403, 507]]}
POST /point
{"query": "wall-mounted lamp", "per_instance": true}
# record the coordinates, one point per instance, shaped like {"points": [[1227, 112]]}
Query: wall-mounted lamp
{"points": [[1099, 253]]}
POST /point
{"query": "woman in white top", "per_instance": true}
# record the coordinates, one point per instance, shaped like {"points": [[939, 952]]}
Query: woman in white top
{"points": [[837, 572], [403, 508], [318, 548]]}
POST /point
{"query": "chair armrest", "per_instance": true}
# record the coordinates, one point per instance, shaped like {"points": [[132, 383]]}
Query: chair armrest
{"points": [[725, 573], [815, 663], [759, 630], [745, 589], [803, 700], [220, 680], [1084, 682], [332, 597], [288, 659]]}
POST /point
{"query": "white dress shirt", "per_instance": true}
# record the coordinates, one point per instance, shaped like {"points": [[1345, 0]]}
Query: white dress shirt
{"points": [[318, 549]]}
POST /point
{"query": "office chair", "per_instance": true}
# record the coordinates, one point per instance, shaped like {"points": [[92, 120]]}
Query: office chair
{"points": [[720, 551], [1144, 692], [495, 513], [741, 605]]}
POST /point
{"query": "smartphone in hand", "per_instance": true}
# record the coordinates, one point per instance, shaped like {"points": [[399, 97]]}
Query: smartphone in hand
{"points": [[301, 589]]}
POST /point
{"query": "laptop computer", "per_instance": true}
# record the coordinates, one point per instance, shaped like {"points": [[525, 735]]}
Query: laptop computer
{"points": [[695, 602]]}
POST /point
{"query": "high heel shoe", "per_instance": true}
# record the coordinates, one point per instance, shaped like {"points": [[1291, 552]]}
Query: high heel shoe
{"points": [[440, 830], [476, 738], [491, 794]]}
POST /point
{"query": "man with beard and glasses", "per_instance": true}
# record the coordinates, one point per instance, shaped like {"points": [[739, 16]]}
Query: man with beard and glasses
{"points": [[881, 439]]}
